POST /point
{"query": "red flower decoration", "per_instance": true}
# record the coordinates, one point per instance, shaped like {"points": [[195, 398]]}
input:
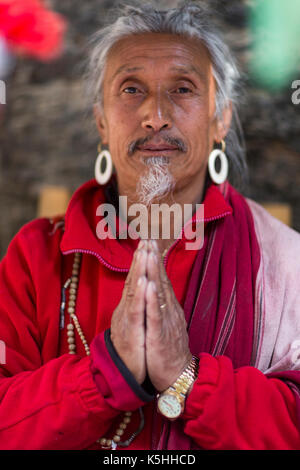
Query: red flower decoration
{"points": [[30, 28]]}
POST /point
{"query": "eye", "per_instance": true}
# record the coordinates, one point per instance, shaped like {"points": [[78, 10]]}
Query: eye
{"points": [[183, 90], [130, 90]]}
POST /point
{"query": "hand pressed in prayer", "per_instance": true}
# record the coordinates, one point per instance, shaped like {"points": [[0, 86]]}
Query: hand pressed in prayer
{"points": [[167, 342], [128, 319], [148, 327]]}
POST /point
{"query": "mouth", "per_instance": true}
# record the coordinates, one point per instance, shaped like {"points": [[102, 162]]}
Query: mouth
{"points": [[156, 147]]}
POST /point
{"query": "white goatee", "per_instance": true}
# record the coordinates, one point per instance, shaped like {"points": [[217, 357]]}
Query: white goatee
{"points": [[156, 182]]}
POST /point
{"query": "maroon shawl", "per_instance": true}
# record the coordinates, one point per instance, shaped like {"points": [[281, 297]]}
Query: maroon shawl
{"points": [[220, 301]]}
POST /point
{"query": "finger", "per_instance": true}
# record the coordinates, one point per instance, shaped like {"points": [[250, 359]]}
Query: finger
{"points": [[153, 313], [162, 270], [137, 268], [166, 283], [165, 289], [132, 290], [128, 332], [136, 311], [153, 273], [141, 246]]}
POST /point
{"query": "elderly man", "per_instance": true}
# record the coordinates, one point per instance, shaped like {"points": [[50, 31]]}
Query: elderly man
{"points": [[115, 342]]}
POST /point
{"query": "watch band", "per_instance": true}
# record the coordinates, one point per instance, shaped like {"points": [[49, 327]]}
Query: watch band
{"points": [[187, 377], [179, 390]]}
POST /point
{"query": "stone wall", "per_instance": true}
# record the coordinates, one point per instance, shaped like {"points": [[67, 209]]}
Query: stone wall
{"points": [[46, 136]]}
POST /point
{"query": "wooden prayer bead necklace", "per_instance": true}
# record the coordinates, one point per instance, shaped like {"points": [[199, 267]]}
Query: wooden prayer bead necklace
{"points": [[71, 327]]}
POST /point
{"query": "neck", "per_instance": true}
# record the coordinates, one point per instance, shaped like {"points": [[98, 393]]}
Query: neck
{"points": [[163, 219]]}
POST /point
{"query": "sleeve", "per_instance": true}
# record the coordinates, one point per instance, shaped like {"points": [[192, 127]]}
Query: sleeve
{"points": [[114, 380], [56, 404], [240, 409]]}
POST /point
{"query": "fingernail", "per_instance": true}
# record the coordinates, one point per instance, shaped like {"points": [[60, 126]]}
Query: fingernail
{"points": [[141, 244], [153, 257], [154, 245], [152, 286], [141, 280], [139, 255]]}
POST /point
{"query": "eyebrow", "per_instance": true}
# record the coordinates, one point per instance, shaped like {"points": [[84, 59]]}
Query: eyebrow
{"points": [[189, 69], [126, 68], [183, 70]]}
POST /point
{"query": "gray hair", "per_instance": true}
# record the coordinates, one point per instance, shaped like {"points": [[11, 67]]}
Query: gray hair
{"points": [[189, 19]]}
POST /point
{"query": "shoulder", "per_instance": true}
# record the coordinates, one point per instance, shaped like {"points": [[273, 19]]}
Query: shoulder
{"points": [[41, 229], [278, 242], [279, 280], [37, 240], [277, 285]]}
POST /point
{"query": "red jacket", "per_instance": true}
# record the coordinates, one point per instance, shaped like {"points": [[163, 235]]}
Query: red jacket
{"points": [[52, 400]]}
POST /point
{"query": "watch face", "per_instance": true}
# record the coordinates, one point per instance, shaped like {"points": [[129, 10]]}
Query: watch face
{"points": [[169, 406]]}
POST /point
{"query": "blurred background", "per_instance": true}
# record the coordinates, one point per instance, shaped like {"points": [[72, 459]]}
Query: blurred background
{"points": [[47, 135]]}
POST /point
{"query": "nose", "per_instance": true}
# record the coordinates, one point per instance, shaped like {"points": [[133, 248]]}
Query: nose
{"points": [[156, 113]]}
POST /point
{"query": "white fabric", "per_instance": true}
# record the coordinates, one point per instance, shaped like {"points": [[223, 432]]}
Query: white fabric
{"points": [[279, 277]]}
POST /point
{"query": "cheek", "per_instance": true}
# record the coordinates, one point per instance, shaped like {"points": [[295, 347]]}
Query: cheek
{"points": [[197, 131], [118, 141], [121, 127]]}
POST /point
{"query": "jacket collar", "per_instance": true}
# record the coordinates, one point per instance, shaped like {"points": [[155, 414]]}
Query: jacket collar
{"points": [[81, 223]]}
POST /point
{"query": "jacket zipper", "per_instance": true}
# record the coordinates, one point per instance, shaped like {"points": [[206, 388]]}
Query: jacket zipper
{"points": [[125, 270], [89, 252]]}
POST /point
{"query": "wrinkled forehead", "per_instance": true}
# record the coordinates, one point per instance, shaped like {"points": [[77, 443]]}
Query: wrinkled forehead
{"points": [[174, 53]]}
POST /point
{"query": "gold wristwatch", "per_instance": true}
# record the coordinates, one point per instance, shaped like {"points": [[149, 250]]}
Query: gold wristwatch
{"points": [[170, 403]]}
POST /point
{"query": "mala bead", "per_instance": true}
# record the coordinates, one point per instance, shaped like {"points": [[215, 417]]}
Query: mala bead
{"points": [[71, 327], [106, 443], [102, 441]]}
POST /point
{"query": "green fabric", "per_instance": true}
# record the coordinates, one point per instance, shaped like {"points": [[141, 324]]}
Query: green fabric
{"points": [[275, 55]]}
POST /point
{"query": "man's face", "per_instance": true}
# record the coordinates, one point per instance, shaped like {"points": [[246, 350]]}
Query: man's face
{"points": [[159, 101]]}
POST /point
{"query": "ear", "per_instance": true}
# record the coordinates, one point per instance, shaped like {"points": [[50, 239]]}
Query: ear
{"points": [[101, 124], [223, 124]]}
